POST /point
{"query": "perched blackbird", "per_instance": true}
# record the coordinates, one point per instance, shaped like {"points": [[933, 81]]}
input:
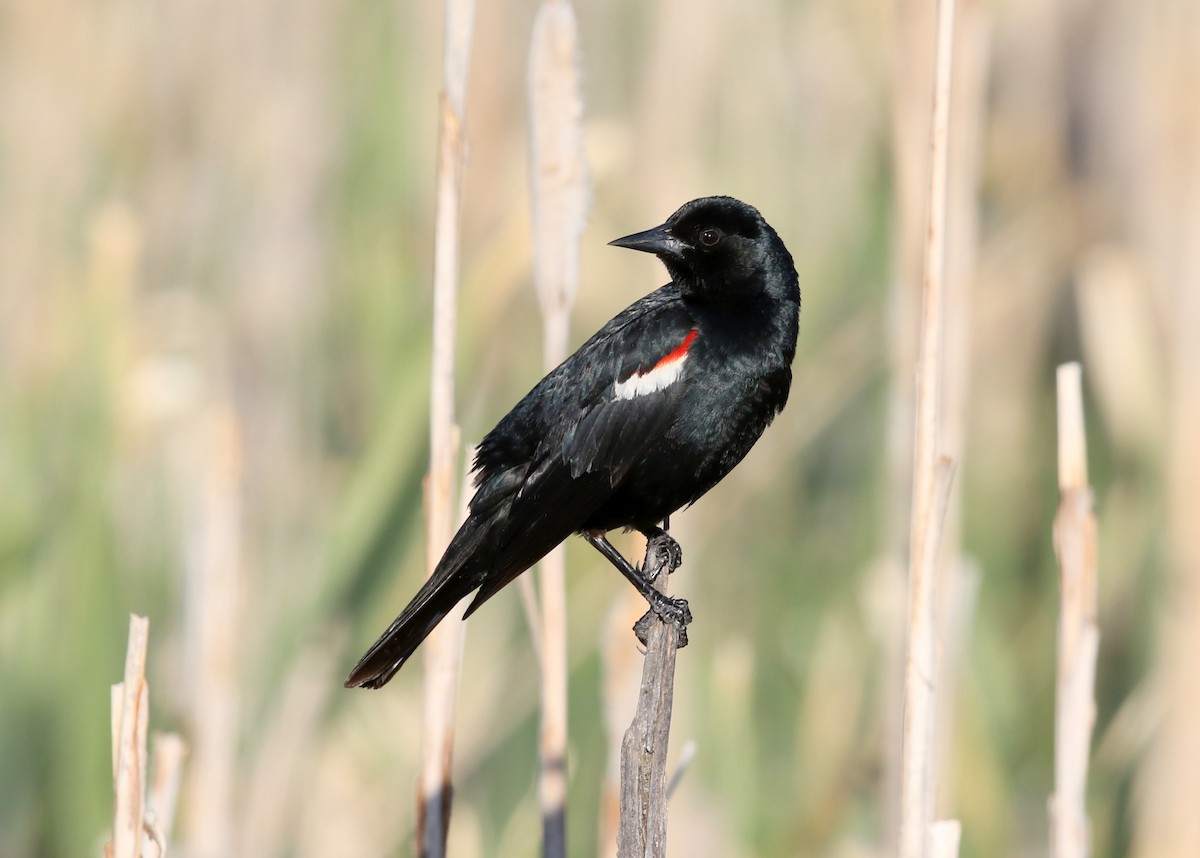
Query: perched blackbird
{"points": [[647, 416]]}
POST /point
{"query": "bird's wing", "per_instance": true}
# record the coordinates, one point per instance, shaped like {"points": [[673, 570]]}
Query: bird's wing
{"points": [[563, 450], [600, 397], [631, 378]]}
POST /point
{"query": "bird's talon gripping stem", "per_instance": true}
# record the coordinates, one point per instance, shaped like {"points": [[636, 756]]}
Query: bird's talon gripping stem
{"points": [[673, 611], [661, 541]]}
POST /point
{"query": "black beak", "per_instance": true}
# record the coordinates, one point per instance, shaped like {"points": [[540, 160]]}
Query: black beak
{"points": [[658, 241]]}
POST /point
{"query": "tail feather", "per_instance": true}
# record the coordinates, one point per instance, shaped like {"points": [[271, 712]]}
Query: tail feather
{"points": [[483, 555], [405, 634], [449, 584]]}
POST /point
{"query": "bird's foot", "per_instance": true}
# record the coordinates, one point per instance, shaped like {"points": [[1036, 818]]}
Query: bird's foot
{"points": [[666, 547], [673, 611]]}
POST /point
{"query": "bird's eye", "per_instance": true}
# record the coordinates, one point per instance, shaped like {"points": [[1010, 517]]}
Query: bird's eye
{"points": [[710, 237]]}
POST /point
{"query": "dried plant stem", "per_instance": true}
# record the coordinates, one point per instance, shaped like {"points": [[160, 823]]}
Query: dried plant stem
{"points": [[141, 827], [1078, 635], [169, 752], [1167, 822], [931, 483], [130, 711], [213, 606], [911, 76], [442, 651], [643, 826], [558, 173], [959, 576], [944, 837]]}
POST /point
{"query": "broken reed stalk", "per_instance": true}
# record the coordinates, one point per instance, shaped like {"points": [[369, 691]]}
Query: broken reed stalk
{"points": [[130, 701], [642, 831], [443, 649], [1078, 633], [931, 482], [141, 827], [559, 191]]}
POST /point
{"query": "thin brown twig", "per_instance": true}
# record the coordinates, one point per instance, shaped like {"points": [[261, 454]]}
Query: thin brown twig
{"points": [[930, 481], [1078, 633], [644, 783]]}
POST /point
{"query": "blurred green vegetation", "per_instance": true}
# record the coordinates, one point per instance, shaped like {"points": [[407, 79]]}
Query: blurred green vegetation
{"points": [[226, 209]]}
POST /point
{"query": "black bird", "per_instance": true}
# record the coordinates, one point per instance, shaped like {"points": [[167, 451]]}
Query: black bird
{"points": [[648, 415]]}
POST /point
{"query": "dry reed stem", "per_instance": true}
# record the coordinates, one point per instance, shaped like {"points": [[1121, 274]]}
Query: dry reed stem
{"points": [[622, 666], [559, 190], [642, 832], [931, 480], [1078, 635], [212, 604], [944, 837], [958, 584], [443, 649], [911, 76], [1169, 780], [141, 825], [129, 750], [169, 752]]}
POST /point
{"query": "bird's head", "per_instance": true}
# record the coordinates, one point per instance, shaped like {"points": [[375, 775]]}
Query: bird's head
{"points": [[713, 246]]}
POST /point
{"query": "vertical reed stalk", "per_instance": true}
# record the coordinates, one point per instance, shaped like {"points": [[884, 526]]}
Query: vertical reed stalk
{"points": [[213, 612], [959, 575], [443, 649], [1168, 823], [559, 192], [931, 482], [168, 753], [130, 701], [642, 832], [141, 824], [1078, 635], [911, 76]]}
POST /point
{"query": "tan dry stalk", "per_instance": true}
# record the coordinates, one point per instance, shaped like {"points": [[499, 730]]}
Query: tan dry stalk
{"points": [[1078, 635], [622, 664], [141, 825], [944, 837], [559, 194], [213, 605], [911, 75], [931, 479], [1169, 780], [129, 745], [959, 577], [169, 752], [444, 647], [642, 832]]}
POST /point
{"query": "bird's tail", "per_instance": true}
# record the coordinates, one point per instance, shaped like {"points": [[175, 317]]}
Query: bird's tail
{"points": [[449, 584]]}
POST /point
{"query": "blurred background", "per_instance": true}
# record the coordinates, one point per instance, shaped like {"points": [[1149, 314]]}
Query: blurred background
{"points": [[216, 229]]}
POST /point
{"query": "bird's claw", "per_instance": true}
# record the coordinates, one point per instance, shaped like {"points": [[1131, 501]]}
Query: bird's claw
{"points": [[673, 611], [668, 550]]}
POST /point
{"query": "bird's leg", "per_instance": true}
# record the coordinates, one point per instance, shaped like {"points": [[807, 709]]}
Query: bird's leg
{"points": [[674, 611]]}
